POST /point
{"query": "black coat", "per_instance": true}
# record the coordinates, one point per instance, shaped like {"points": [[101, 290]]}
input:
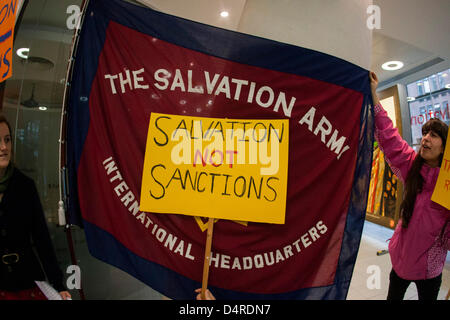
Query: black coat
{"points": [[22, 225]]}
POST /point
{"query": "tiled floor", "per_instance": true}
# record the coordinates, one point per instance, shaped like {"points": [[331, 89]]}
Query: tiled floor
{"points": [[364, 284]]}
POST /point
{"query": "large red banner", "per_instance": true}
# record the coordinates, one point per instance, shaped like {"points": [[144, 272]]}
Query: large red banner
{"points": [[138, 73]]}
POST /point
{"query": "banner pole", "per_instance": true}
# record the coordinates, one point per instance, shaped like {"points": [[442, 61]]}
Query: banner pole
{"points": [[209, 234]]}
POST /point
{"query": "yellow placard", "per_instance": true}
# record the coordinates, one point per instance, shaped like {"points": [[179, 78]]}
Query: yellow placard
{"points": [[7, 22], [219, 168], [441, 193]]}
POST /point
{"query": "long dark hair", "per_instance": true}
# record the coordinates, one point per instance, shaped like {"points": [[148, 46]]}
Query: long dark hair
{"points": [[414, 180]]}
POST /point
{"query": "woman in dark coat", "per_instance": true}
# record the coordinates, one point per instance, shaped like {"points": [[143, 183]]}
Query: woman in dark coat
{"points": [[22, 227]]}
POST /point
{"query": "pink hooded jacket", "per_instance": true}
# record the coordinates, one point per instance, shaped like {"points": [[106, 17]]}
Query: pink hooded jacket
{"points": [[419, 251]]}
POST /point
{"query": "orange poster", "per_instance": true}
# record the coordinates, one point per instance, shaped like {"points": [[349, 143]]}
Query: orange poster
{"points": [[7, 22]]}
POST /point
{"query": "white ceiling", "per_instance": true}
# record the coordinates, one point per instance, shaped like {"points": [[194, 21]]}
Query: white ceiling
{"points": [[413, 31]]}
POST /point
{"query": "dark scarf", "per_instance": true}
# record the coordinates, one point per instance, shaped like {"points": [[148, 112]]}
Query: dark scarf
{"points": [[4, 181]]}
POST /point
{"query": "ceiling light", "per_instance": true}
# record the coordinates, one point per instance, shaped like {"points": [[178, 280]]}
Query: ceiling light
{"points": [[23, 52], [447, 86], [43, 108], [224, 14], [409, 99], [392, 65]]}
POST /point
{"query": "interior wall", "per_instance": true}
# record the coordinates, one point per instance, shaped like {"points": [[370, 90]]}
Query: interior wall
{"points": [[338, 27], [424, 16]]}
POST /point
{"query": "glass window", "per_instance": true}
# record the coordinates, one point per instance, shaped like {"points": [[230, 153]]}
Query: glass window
{"points": [[437, 111], [426, 86], [444, 78], [433, 83], [428, 98], [423, 110], [420, 88], [445, 112]]}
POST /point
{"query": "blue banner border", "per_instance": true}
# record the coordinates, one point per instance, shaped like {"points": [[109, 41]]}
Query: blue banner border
{"points": [[251, 50]]}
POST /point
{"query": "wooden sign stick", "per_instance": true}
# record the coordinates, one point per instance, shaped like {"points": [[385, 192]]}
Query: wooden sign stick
{"points": [[209, 234]]}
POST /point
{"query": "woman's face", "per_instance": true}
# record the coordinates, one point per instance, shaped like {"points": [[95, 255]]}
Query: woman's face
{"points": [[5, 146], [431, 148]]}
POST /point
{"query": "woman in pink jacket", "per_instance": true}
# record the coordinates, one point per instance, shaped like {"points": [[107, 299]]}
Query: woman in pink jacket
{"points": [[420, 242]]}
